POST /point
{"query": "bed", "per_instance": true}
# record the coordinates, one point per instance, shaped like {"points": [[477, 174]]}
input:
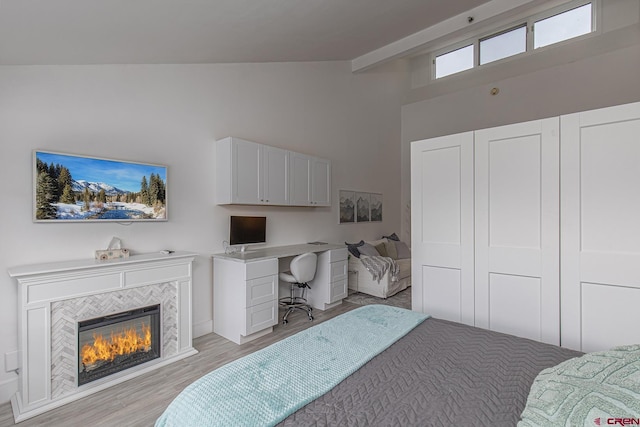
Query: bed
{"points": [[362, 280], [436, 373]]}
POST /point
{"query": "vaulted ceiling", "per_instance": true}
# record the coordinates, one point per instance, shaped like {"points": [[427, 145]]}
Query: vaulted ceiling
{"points": [[211, 31]]}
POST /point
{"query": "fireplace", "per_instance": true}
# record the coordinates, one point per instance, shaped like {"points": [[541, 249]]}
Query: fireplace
{"points": [[116, 342]]}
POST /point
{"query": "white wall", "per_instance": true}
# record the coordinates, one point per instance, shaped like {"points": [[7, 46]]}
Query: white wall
{"points": [[172, 114], [595, 72]]}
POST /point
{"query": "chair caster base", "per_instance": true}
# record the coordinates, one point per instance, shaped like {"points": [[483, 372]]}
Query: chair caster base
{"points": [[284, 322]]}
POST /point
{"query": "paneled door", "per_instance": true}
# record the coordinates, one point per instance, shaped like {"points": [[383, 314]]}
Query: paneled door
{"points": [[600, 228], [517, 229], [275, 176], [320, 182], [300, 181], [247, 171], [442, 227]]}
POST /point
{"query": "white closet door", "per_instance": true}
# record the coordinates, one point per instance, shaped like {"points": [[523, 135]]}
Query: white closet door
{"points": [[601, 228], [442, 227], [517, 230]]}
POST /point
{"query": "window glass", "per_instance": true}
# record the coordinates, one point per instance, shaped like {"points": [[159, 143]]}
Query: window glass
{"points": [[502, 45], [454, 61], [563, 26]]}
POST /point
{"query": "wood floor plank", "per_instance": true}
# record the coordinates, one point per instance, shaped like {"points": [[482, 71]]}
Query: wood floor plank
{"points": [[140, 401]]}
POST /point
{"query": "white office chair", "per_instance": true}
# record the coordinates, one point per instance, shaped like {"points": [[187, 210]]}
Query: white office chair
{"points": [[303, 270]]}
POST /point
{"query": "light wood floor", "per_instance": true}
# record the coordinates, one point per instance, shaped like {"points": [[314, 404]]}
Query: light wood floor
{"points": [[140, 401]]}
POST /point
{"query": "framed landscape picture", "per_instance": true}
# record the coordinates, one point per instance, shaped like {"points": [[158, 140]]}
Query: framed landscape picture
{"points": [[362, 207], [375, 206], [69, 187], [347, 206]]}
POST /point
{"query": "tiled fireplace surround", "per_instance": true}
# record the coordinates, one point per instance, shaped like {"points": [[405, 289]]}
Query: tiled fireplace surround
{"points": [[55, 297]]}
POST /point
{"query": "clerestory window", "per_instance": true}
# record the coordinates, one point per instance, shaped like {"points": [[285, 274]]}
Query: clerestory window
{"points": [[569, 21]]}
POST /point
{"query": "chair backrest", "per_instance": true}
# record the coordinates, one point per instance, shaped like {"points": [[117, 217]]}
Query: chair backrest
{"points": [[303, 267]]}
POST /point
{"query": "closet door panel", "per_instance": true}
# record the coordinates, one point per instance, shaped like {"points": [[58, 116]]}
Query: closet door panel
{"points": [[443, 293], [442, 227], [613, 306], [515, 302], [600, 227], [516, 229], [513, 190], [609, 174]]}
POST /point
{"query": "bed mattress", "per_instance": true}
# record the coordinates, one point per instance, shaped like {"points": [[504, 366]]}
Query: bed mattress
{"points": [[440, 374]]}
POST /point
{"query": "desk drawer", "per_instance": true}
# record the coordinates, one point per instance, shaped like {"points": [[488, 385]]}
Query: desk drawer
{"points": [[261, 316], [338, 254], [261, 290], [263, 268]]}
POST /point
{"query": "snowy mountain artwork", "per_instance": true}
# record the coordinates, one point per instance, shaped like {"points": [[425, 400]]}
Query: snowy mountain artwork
{"points": [[77, 188]]}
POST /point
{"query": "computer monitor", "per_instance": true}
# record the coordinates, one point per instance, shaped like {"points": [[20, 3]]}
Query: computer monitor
{"points": [[245, 230]]}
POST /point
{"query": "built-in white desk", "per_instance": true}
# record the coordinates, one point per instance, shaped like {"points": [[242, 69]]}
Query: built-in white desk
{"points": [[245, 287]]}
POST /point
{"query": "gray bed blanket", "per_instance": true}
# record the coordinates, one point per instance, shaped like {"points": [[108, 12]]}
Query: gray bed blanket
{"points": [[440, 374]]}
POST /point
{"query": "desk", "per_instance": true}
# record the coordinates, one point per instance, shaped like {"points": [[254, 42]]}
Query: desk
{"points": [[245, 287]]}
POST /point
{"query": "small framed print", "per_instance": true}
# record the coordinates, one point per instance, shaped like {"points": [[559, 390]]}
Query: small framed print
{"points": [[362, 207], [347, 206], [375, 207]]}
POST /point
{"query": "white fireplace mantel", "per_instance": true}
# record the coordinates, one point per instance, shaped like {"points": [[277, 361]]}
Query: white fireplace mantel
{"points": [[54, 296]]}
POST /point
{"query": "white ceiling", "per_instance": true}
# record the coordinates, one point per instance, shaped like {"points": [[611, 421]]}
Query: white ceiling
{"points": [[209, 31]]}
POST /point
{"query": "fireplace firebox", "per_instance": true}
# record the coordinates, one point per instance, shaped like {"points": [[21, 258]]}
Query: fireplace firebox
{"points": [[116, 342]]}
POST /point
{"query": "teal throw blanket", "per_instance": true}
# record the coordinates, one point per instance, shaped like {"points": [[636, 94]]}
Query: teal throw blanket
{"points": [[263, 388]]}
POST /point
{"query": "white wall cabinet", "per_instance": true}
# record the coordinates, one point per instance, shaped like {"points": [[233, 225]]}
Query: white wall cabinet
{"points": [[257, 174], [310, 182], [573, 179], [251, 173]]}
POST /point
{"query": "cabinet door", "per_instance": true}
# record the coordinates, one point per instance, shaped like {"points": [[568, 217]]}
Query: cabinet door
{"points": [[320, 182], [338, 279], [517, 229], [600, 222], [275, 176], [442, 227], [259, 317], [246, 170], [299, 184]]}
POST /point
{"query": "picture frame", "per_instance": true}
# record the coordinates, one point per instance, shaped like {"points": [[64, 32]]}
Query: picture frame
{"points": [[347, 206], [77, 188], [362, 207], [375, 207]]}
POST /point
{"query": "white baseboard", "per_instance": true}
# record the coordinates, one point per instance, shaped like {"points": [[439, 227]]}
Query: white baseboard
{"points": [[8, 388], [203, 328]]}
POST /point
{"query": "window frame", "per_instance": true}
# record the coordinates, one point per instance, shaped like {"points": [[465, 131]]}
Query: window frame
{"points": [[498, 34], [532, 20], [450, 49], [528, 22]]}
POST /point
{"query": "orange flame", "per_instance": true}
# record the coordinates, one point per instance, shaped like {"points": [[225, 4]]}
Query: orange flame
{"points": [[126, 342]]}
